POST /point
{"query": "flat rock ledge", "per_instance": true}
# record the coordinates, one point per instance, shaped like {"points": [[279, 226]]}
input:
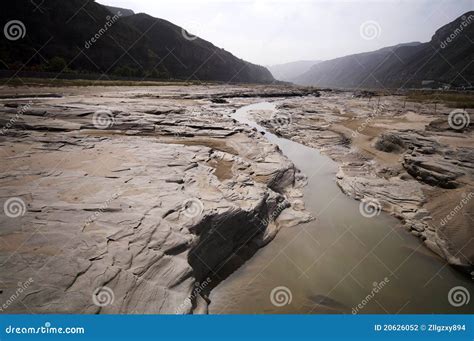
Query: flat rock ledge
{"points": [[130, 204], [388, 151]]}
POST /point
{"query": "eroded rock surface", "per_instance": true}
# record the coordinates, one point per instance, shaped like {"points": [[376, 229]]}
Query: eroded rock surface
{"points": [[129, 201], [404, 155]]}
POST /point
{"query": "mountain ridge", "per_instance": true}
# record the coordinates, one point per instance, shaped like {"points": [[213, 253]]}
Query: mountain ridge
{"points": [[86, 37], [287, 72], [403, 65]]}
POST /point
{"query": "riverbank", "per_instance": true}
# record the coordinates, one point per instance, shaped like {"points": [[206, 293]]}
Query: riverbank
{"points": [[133, 200], [345, 261], [150, 200], [413, 160]]}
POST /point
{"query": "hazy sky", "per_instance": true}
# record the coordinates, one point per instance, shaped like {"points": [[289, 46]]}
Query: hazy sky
{"points": [[277, 31]]}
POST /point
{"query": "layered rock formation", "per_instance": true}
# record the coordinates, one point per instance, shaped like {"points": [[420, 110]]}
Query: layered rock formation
{"points": [[390, 152], [118, 203]]}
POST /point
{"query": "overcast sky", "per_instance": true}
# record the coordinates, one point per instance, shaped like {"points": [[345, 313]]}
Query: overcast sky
{"points": [[270, 32]]}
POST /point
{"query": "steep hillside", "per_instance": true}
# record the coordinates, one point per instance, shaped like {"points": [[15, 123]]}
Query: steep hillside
{"points": [[447, 58], [85, 36], [194, 57]]}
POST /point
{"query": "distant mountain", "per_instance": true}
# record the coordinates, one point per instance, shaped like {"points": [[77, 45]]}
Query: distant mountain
{"points": [[350, 71], [447, 58], [289, 71], [89, 37]]}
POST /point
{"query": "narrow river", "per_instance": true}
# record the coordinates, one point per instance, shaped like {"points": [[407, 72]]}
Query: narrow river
{"points": [[342, 262]]}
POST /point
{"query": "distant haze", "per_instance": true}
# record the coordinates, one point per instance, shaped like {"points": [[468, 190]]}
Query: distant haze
{"points": [[271, 32], [288, 72]]}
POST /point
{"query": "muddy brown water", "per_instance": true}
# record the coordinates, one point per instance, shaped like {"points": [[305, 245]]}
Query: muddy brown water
{"points": [[342, 262]]}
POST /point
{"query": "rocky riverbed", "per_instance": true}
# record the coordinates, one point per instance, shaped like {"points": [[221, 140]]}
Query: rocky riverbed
{"points": [[141, 200], [413, 160], [123, 200]]}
